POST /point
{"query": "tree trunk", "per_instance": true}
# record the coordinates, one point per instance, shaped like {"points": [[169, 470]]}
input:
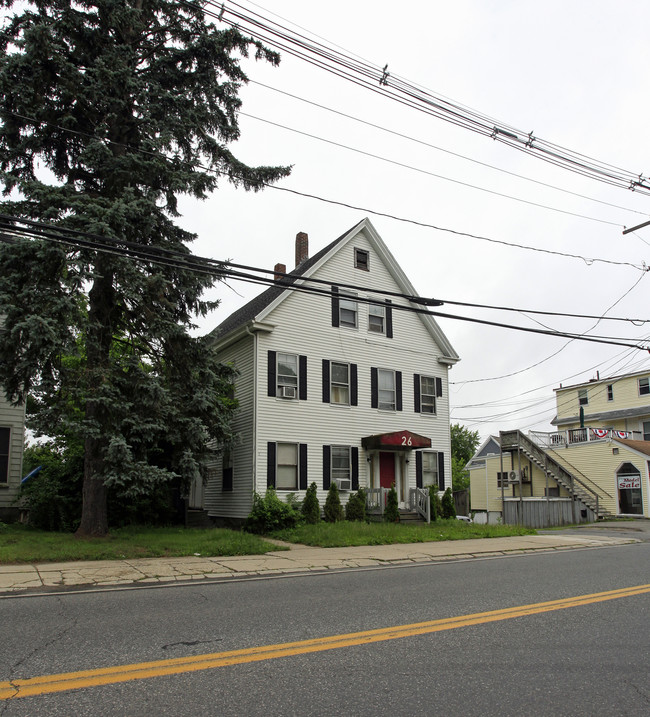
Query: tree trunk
{"points": [[102, 312], [94, 512]]}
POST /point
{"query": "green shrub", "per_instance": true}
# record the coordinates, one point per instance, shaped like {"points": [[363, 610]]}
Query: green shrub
{"points": [[310, 508], [448, 505], [391, 514], [53, 496], [435, 503], [333, 512], [356, 507], [269, 513]]}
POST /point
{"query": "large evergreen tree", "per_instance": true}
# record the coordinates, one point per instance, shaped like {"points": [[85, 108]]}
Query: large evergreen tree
{"points": [[110, 110]]}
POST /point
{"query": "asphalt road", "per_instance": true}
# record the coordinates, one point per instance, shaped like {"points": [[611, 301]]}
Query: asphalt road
{"points": [[562, 659]]}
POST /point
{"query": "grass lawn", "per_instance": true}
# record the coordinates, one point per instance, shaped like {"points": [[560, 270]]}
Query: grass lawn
{"points": [[20, 544], [336, 535]]}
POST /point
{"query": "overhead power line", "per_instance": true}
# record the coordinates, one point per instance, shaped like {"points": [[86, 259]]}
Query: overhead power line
{"points": [[379, 80], [464, 157], [587, 260], [220, 270]]}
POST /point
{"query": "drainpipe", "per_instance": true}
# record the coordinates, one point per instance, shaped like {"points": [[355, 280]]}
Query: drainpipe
{"points": [[254, 335]]}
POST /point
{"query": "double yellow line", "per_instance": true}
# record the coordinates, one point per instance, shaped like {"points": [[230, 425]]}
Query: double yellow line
{"points": [[144, 670]]}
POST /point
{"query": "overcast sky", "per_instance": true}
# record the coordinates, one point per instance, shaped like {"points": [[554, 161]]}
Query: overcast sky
{"points": [[573, 73]]}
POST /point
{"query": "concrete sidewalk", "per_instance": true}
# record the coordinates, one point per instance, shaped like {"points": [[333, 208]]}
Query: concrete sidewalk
{"points": [[300, 558]]}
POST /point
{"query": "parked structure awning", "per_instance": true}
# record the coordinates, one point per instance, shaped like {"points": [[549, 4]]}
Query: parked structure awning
{"points": [[397, 441]]}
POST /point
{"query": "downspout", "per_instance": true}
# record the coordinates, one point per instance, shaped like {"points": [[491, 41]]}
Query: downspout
{"points": [[255, 379]]}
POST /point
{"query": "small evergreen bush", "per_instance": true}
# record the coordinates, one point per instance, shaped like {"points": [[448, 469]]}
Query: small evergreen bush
{"points": [[448, 505], [333, 512], [269, 513], [391, 514], [310, 508], [435, 503], [356, 507]]}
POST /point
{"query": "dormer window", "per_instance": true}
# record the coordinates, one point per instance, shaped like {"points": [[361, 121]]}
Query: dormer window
{"points": [[362, 259]]}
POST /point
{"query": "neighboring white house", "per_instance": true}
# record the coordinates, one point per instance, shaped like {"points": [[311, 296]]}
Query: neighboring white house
{"points": [[341, 383], [12, 436]]}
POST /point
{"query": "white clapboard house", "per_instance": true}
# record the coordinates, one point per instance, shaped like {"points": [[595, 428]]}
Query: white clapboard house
{"points": [[344, 383]]}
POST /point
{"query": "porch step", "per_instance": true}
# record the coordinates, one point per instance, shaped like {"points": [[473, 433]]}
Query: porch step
{"points": [[411, 517]]}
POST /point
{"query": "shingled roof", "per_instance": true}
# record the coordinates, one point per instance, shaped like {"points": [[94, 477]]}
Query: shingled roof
{"points": [[256, 305]]}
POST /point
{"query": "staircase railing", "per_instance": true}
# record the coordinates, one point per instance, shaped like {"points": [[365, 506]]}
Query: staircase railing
{"points": [[513, 440], [419, 501]]}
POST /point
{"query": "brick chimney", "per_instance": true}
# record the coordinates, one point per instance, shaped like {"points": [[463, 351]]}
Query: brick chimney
{"points": [[302, 247], [279, 270]]}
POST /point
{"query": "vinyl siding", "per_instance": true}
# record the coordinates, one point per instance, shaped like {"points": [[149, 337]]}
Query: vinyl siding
{"points": [[236, 503], [303, 325], [626, 396], [595, 460], [12, 417]]}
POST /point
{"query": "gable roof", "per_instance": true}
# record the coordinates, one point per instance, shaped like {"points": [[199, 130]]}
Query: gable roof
{"points": [[638, 446], [259, 307], [248, 312]]}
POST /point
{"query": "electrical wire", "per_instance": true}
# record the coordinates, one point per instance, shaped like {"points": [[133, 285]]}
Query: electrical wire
{"points": [[444, 150], [372, 77], [203, 265], [429, 173], [587, 260]]}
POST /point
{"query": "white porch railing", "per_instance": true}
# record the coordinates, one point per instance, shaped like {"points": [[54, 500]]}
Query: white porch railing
{"points": [[419, 501], [376, 500], [578, 435]]}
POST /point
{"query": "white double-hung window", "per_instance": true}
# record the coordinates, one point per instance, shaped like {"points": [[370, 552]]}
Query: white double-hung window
{"points": [[340, 383], [287, 467], [287, 376], [348, 311], [386, 387], [427, 394], [377, 318], [341, 472]]}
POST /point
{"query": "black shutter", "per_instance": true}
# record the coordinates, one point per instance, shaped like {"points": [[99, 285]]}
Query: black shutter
{"points": [[438, 386], [355, 467], [389, 319], [441, 471], [398, 390], [302, 465], [354, 383], [416, 393], [418, 469], [327, 455], [326, 381], [335, 306], [374, 391], [272, 367], [302, 378], [270, 464]]}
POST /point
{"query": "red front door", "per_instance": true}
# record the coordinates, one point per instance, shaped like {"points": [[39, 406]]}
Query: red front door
{"points": [[386, 470]]}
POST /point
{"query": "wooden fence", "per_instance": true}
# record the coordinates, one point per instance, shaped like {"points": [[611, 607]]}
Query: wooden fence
{"points": [[544, 513]]}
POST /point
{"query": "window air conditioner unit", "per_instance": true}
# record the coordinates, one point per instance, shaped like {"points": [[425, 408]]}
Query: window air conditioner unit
{"points": [[343, 484], [287, 391]]}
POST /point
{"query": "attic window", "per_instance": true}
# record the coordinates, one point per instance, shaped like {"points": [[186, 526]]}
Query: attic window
{"points": [[362, 259]]}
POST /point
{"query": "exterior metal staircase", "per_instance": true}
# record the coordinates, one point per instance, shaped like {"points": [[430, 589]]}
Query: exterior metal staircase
{"points": [[512, 441]]}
